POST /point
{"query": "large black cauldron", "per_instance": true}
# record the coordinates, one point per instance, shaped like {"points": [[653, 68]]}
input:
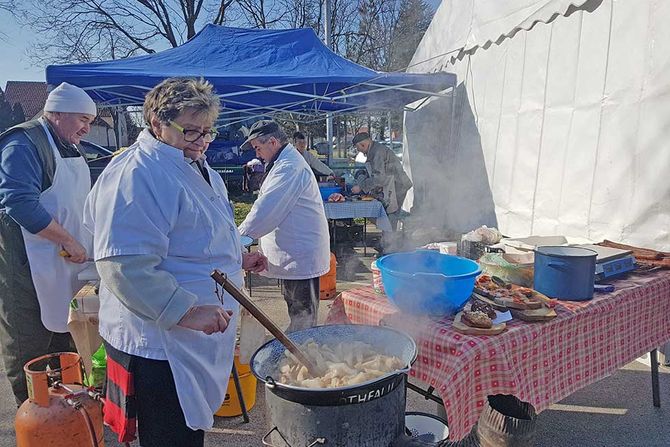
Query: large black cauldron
{"points": [[370, 414]]}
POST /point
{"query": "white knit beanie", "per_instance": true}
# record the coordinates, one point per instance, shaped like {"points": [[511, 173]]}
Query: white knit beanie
{"points": [[71, 99]]}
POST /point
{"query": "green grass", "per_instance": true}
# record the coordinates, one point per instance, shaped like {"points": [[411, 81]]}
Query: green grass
{"points": [[241, 210]]}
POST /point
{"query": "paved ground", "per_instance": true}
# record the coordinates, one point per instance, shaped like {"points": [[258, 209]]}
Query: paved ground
{"points": [[616, 411]]}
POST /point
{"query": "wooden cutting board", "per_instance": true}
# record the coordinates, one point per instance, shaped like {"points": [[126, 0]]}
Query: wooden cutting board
{"points": [[463, 328], [490, 302], [511, 304], [542, 314]]}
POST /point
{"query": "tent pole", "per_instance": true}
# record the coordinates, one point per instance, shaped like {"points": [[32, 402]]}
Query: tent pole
{"points": [[119, 115], [329, 117]]}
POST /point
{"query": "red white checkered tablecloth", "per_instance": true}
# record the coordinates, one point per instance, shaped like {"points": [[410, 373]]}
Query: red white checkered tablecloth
{"points": [[540, 363]]}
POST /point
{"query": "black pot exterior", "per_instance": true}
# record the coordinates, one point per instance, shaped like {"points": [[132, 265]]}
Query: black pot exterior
{"points": [[370, 414], [325, 397], [373, 422]]}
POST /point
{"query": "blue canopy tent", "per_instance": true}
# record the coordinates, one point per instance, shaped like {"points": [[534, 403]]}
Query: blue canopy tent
{"points": [[257, 72]]}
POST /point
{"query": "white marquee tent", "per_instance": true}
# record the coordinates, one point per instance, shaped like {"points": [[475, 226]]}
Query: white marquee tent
{"points": [[561, 122]]}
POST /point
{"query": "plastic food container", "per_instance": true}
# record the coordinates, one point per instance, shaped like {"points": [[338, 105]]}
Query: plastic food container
{"points": [[326, 191], [376, 278], [497, 264]]}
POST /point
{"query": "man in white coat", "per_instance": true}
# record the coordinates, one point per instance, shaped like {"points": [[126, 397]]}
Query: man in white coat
{"points": [[289, 220]]}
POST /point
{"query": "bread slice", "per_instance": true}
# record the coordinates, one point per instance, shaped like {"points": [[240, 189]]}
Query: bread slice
{"points": [[477, 319]]}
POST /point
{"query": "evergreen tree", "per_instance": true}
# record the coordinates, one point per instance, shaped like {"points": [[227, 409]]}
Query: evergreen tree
{"points": [[5, 113], [413, 21], [18, 115]]}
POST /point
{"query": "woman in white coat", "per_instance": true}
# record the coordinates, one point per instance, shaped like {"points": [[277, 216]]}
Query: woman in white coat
{"points": [[162, 222]]}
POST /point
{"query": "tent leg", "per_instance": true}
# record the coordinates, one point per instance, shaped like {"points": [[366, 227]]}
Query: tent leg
{"points": [[453, 117]]}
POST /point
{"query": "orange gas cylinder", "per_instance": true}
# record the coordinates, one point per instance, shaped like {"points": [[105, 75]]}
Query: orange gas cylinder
{"points": [[58, 412], [328, 282]]}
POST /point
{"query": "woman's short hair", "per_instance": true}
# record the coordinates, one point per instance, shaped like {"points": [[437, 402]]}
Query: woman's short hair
{"points": [[173, 96]]}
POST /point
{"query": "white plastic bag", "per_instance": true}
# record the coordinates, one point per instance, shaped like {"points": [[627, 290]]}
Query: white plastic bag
{"points": [[252, 335]]}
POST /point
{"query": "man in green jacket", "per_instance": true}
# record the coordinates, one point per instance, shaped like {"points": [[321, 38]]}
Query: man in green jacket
{"points": [[385, 174]]}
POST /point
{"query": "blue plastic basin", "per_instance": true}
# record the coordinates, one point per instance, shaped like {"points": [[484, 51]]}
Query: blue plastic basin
{"points": [[428, 282], [326, 191]]}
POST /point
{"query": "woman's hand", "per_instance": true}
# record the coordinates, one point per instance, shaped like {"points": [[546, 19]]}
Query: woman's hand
{"points": [[208, 319], [254, 262]]}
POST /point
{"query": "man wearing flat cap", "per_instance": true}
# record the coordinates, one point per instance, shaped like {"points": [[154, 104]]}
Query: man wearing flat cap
{"points": [[385, 174], [44, 180], [289, 220]]}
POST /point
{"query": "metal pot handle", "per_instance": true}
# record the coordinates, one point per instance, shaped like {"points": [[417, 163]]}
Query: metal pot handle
{"points": [[265, 441], [558, 266]]}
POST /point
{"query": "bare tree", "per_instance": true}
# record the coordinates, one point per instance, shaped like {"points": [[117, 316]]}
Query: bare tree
{"points": [[263, 13], [7, 5], [10, 7], [85, 30]]}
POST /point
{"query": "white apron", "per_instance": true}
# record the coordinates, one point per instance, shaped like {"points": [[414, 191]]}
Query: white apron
{"points": [[55, 279]]}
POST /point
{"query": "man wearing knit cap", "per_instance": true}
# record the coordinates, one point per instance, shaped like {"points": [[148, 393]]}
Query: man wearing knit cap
{"points": [[386, 174], [44, 180]]}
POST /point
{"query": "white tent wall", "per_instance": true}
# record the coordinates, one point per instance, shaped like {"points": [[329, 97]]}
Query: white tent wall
{"points": [[567, 122]]}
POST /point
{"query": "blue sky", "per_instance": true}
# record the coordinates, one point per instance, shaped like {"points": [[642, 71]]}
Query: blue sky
{"points": [[15, 65]]}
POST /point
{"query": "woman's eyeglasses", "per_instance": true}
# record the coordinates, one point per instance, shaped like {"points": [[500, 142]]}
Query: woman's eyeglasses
{"points": [[191, 136]]}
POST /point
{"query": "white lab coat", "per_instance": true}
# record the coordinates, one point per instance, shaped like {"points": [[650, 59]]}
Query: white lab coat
{"points": [[150, 201], [289, 220]]}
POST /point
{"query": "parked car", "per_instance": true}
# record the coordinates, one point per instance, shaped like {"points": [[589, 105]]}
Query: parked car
{"points": [[97, 157], [321, 149], [223, 156], [226, 158]]}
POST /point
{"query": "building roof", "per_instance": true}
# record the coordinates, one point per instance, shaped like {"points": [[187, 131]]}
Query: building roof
{"points": [[30, 94], [33, 95]]}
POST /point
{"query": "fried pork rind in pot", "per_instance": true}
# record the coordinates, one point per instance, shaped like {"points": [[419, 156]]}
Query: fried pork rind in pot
{"points": [[345, 364]]}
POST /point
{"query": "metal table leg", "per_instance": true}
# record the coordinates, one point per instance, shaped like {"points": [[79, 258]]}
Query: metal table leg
{"points": [[247, 275], [238, 389], [427, 394], [653, 357], [365, 236]]}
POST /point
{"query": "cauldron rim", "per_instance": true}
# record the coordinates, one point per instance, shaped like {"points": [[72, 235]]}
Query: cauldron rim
{"points": [[274, 384]]}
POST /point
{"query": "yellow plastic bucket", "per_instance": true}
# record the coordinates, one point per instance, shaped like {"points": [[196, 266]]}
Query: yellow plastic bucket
{"points": [[231, 404]]}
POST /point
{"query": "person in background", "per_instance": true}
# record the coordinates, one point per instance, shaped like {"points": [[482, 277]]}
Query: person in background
{"points": [[245, 178], [319, 168], [256, 170], [162, 222], [44, 179], [290, 222], [385, 174]]}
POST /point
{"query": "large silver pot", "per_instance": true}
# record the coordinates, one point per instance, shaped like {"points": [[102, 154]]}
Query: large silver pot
{"points": [[370, 414]]}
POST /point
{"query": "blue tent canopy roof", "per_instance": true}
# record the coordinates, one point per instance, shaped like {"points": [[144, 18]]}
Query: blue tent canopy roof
{"points": [[257, 72]]}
